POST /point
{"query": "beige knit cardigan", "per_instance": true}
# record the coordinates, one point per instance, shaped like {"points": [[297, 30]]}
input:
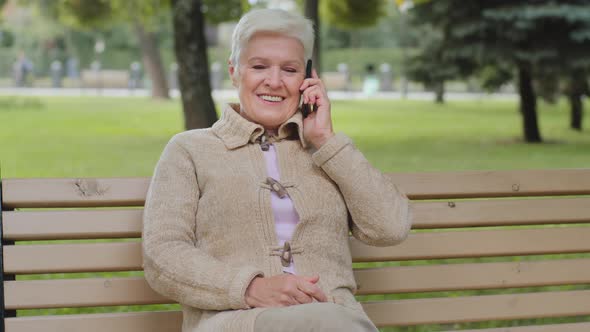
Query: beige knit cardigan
{"points": [[209, 228]]}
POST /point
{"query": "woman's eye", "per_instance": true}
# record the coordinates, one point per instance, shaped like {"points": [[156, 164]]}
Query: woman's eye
{"points": [[258, 67], [290, 70]]}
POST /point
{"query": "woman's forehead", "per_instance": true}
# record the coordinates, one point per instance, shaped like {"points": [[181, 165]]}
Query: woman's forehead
{"points": [[273, 46]]}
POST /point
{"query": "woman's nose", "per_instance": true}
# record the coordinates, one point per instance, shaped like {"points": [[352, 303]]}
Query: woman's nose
{"points": [[273, 78]]}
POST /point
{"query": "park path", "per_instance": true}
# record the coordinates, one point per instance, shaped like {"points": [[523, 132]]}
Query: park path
{"points": [[229, 95]]}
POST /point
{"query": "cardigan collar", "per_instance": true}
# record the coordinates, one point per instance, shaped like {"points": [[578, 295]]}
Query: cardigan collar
{"points": [[235, 131]]}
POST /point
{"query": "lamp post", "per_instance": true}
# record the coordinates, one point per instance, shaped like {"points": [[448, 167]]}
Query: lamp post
{"points": [[99, 47]]}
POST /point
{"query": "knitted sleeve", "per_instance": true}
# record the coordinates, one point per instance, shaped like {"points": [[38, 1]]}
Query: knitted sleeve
{"points": [[173, 265], [380, 211]]}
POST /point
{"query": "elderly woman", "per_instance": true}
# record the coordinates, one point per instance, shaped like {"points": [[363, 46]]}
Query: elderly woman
{"points": [[247, 223]]}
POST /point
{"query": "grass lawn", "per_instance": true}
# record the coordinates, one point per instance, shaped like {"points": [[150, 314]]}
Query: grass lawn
{"points": [[103, 137]]}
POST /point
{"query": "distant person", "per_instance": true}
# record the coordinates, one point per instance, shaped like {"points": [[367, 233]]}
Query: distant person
{"points": [[23, 70], [371, 82], [246, 224], [72, 68]]}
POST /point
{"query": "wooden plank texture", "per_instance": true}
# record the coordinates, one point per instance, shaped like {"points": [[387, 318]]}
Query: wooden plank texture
{"points": [[81, 192], [94, 224], [131, 191], [87, 257], [71, 224], [500, 212], [493, 183], [572, 327], [115, 256], [481, 243], [88, 292], [434, 278], [478, 308], [155, 321]]}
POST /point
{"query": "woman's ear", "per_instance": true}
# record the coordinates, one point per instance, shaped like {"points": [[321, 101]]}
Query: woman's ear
{"points": [[232, 74]]}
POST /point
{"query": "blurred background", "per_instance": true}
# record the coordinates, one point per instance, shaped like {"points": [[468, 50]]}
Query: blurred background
{"points": [[420, 85], [96, 88]]}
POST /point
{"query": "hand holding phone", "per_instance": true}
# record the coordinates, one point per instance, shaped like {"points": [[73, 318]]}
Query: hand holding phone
{"points": [[306, 108], [317, 129]]}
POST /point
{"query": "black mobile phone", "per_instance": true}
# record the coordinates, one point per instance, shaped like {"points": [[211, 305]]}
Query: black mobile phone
{"points": [[306, 108]]}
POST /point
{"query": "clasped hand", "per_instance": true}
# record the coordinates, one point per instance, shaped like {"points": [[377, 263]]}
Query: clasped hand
{"points": [[283, 290]]}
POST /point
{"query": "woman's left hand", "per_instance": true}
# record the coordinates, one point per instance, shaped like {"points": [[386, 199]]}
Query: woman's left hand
{"points": [[317, 127]]}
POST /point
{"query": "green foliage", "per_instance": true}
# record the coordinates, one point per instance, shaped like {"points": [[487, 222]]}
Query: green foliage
{"points": [[536, 32], [390, 31], [350, 14], [221, 11], [429, 64], [6, 38], [552, 38], [84, 13], [493, 77]]}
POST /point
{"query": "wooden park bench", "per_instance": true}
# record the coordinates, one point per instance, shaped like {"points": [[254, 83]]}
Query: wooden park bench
{"points": [[495, 246]]}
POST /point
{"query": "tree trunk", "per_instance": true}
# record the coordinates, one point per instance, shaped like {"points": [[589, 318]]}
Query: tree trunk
{"points": [[193, 67], [578, 88], [311, 12], [528, 105], [577, 110], [439, 90], [152, 61]]}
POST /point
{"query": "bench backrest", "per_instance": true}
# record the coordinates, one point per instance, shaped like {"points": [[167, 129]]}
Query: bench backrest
{"points": [[486, 246]]}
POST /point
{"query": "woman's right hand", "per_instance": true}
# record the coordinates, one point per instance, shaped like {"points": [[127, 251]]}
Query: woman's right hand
{"points": [[283, 290]]}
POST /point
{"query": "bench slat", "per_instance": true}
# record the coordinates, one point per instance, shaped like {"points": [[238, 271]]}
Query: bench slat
{"points": [[131, 191], [434, 278], [572, 327], [469, 184], [478, 308], [155, 321], [89, 292], [84, 192], [94, 224], [86, 257], [71, 224], [500, 212], [171, 321], [126, 256], [481, 243]]}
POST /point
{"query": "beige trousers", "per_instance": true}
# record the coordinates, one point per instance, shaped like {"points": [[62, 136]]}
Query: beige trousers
{"points": [[313, 317]]}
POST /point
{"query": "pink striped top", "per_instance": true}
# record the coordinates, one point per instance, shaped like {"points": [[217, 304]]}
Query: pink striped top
{"points": [[286, 218]]}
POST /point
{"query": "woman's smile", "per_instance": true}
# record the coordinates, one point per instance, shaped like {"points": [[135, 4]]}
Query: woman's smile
{"points": [[271, 98]]}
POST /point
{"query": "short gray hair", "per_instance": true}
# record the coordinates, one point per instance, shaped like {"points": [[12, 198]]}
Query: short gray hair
{"points": [[271, 20]]}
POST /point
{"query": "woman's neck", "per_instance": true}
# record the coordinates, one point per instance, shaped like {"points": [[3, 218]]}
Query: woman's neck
{"points": [[268, 131], [271, 132]]}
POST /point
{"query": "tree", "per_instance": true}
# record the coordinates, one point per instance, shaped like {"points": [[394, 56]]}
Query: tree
{"points": [[311, 11], [6, 37], [352, 14], [431, 66], [143, 14], [193, 66], [576, 89], [526, 34], [190, 47]]}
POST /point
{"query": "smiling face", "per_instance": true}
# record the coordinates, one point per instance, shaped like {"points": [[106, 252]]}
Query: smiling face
{"points": [[268, 78]]}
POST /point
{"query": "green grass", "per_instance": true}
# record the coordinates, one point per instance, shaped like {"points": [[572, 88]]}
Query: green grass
{"points": [[99, 136]]}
